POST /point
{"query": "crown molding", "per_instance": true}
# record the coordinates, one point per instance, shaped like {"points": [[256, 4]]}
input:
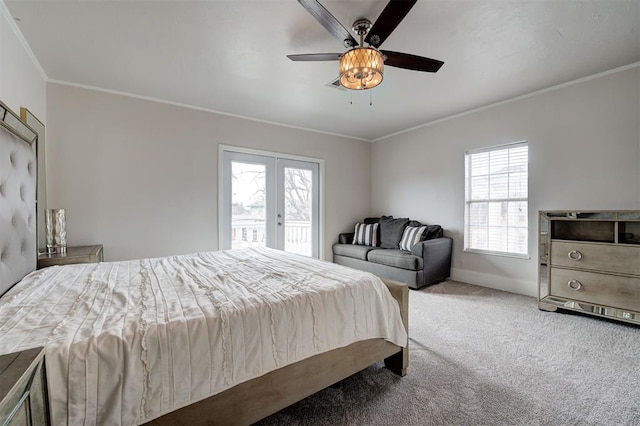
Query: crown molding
{"points": [[507, 101], [213, 111], [4, 10]]}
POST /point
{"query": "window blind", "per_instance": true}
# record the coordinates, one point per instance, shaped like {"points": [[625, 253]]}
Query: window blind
{"points": [[496, 197]]}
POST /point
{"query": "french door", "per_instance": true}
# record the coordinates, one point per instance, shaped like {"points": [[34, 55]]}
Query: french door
{"points": [[271, 202]]}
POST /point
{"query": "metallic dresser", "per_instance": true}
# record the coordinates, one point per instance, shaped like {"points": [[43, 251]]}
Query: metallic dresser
{"points": [[589, 261], [23, 389]]}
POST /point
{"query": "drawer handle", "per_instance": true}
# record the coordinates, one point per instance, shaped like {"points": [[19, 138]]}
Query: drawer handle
{"points": [[574, 285], [575, 255]]}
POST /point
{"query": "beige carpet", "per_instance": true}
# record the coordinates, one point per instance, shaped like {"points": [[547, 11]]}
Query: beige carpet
{"points": [[485, 357]]}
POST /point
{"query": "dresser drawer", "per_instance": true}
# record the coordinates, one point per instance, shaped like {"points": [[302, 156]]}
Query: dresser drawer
{"points": [[596, 257], [599, 289]]}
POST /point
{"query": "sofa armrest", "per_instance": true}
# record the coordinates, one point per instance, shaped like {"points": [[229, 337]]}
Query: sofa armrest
{"points": [[346, 238], [436, 257]]}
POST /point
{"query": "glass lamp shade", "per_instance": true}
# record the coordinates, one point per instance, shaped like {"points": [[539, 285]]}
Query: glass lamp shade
{"points": [[361, 68], [56, 231]]}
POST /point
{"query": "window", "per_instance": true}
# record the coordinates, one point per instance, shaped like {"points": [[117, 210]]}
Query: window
{"points": [[496, 197]]}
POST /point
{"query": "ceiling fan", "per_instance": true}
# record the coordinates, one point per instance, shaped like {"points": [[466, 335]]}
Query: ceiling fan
{"points": [[362, 67]]}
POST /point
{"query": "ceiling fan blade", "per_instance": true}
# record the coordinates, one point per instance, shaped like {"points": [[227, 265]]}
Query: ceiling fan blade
{"points": [[411, 62], [328, 21], [315, 57], [391, 16]]}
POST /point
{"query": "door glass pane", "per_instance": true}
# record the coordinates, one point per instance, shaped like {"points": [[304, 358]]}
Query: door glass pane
{"points": [[297, 211], [248, 213]]}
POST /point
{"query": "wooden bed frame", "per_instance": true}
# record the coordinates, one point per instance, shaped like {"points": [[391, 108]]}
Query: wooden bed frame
{"points": [[255, 399]]}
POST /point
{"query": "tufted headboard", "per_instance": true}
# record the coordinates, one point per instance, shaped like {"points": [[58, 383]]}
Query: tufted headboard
{"points": [[18, 176]]}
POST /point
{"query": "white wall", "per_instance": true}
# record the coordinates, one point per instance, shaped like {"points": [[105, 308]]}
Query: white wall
{"points": [[22, 83], [141, 178], [584, 151]]}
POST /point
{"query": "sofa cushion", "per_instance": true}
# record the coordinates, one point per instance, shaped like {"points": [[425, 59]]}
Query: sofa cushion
{"points": [[391, 231], [366, 234], [350, 250], [346, 238], [396, 258], [433, 231], [412, 235]]}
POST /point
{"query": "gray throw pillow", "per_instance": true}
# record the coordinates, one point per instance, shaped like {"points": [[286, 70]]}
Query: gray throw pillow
{"points": [[433, 231], [391, 231], [366, 234]]}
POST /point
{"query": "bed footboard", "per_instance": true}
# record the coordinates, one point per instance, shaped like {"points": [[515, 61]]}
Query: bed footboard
{"points": [[399, 361]]}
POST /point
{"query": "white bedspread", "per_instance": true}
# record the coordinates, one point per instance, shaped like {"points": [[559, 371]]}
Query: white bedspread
{"points": [[129, 341]]}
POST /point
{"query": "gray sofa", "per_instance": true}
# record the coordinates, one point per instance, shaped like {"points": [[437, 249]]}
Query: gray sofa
{"points": [[428, 262]]}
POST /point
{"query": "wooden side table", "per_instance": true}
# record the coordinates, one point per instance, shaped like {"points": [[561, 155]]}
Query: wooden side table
{"points": [[78, 254]]}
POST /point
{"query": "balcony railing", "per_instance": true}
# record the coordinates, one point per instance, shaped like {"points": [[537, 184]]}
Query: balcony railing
{"points": [[251, 233]]}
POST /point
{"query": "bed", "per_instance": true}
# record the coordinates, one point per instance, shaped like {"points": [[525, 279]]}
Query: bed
{"points": [[209, 338]]}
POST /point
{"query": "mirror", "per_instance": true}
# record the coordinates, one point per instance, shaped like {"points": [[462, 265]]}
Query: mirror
{"points": [[41, 189]]}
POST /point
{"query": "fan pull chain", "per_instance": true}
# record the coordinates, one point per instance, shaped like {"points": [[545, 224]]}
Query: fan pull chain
{"points": [[370, 97]]}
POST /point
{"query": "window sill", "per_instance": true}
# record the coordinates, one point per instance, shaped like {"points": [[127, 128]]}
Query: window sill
{"points": [[498, 253]]}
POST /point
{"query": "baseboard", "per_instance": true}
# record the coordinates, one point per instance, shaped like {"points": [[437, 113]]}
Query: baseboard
{"points": [[527, 288]]}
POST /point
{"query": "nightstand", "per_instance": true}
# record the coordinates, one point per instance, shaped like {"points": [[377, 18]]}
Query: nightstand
{"points": [[78, 254], [23, 389]]}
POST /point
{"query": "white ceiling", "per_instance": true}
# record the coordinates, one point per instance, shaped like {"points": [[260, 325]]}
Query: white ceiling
{"points": [[229, 56]]}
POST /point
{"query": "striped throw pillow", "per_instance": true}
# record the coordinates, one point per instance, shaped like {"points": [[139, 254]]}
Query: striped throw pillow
{"points": [[411, 236], [366, 234]]}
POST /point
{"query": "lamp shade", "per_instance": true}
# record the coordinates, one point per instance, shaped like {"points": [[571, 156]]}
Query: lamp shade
{"points": [[56, 231], [361, 68]]}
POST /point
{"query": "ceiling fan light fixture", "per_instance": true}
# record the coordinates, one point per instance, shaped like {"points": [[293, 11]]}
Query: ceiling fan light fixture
{"points": [[361, 68]]}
